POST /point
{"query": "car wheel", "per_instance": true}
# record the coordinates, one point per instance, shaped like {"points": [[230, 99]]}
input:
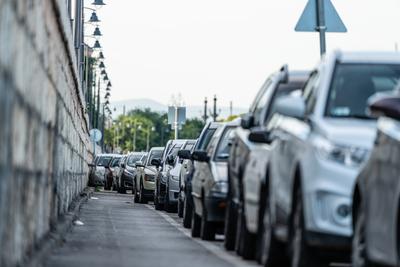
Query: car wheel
{"points": [[167, 205], [230, 226], [359, 247], [142, 198], [245, 241], [271, 252], [196, 224], [157, 204], [187, 213], [180, 208], [208, 229], [301, 255], [135, 193]]}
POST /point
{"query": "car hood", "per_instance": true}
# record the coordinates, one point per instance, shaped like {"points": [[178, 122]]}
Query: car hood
{"points": [[219, 171], [150, 170], [349, 132]]}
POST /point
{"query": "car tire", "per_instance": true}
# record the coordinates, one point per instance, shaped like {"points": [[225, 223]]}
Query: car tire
{"points": [[142, 197], [208, 229], [301, 255], [187, 213], [135, 193], [180, 208], [359, 253], [230, 226], [270, 252], [245, 241], [167, 205], [196, 224]]}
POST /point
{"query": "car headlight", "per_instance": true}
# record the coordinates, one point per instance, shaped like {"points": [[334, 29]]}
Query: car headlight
{"points": [[220, 188], [346, 155], [175, 178], [149, 178]]}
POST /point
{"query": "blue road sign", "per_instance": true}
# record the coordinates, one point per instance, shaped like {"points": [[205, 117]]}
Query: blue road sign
{"points": [[308, 21]]}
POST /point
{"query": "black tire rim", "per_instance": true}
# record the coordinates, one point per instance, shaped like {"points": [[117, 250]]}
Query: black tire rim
{"points": [[297, 239], [359, 244], [266, 236]]}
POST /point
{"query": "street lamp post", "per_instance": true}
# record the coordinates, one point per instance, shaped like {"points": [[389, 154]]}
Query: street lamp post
{"points": [[149, 130]]}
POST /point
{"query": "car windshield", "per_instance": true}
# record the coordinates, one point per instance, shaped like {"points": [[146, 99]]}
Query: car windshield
{"points": [[155, 154], [203, 143], [104, 161], [189, 146], [224, 144], [115, 162], [354, 84], [133, 158]]}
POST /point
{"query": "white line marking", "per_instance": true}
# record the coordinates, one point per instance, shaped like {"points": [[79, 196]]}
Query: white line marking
{"points": [[214, 249]]}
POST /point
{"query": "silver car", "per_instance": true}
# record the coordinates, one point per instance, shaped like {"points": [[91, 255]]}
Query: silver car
{"points": [[210, 183], [320, 140], [376, 206]]}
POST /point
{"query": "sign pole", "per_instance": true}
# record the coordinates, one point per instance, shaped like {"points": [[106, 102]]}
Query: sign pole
{"points": [[176, 123], [321, 26]]}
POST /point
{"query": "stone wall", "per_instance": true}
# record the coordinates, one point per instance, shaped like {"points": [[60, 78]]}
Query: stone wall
{"points": [[44, 145]]}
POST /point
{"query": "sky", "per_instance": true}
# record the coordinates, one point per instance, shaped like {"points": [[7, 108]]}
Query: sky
{"points": [[159, 48]]}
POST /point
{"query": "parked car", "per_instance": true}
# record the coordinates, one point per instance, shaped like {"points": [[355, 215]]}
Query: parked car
{"points": [[248, 176], [127, 171], [144, 183], [109, 173], [186, 178], [168, 157], [92, 170], [210, 183], [172, 174], [319, 142], [122, 164], [103, 160], [185, 157], [376, 206]]}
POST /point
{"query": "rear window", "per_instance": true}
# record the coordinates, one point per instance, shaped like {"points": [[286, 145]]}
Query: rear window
{"points": [[224, 144], [205, 140], [104, 161], [155, 154], [133, 158], [115, 162]]}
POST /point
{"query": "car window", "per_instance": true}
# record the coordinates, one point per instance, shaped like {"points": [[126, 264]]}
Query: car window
{"points": [[205, 140], [115, 162], [262, 103], [189, 146], [104, 161], [353, 84], [224, 147], [132, 159], [155, 154]]}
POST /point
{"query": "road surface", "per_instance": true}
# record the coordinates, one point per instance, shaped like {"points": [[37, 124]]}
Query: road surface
{"points": [[117, 232]]}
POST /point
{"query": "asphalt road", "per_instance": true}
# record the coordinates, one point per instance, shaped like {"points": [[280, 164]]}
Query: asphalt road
{"points": [[117, 232]]}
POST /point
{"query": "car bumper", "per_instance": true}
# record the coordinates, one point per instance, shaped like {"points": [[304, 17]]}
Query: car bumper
{"points": [[327, 187], [173, 190], [215, 207], [127, 182]]}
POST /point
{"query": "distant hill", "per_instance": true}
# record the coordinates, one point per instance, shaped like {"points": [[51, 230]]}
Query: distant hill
{"points": [[191, 111]]}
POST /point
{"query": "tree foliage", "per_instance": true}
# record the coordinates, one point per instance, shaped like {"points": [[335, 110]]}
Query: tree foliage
{"points": [[145, 125]]}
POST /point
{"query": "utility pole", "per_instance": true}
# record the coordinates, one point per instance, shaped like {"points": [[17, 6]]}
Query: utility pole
{"points": [[215, 115], [321, 26], [205, 116], [176, 123], [231, 108], [98, 105]]}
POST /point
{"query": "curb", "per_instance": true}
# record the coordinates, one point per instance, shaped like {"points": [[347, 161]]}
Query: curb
{"points": [[57, 235]]}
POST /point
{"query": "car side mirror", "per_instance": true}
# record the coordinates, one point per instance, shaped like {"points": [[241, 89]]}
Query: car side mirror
{"points": [[184, 154], [139, 164], [259, 135], [170, 160], [156, 162], [200, 156], [123, 165], [291, 106], [388, 106], [91, 165], [247, 121]]}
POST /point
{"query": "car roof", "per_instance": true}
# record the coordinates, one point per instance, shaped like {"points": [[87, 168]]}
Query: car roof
{"points": [[365, 56]]}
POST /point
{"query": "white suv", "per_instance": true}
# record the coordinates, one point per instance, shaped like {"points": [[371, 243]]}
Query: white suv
{"points": [[319, 141]]}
